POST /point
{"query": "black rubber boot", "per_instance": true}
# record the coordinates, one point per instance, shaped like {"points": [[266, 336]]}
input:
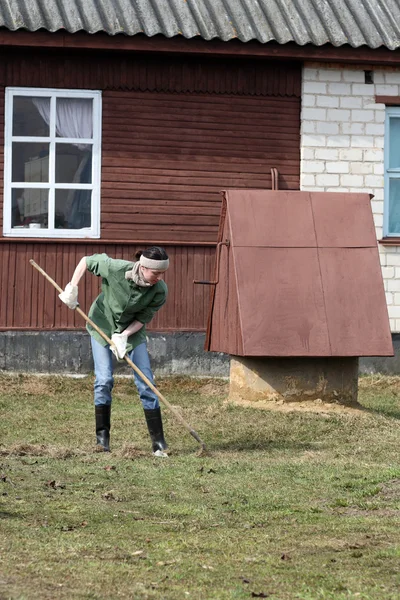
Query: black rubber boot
{"points": [[103, 414], [155, 426]]}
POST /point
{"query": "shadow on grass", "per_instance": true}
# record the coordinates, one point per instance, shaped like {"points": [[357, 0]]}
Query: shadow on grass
{"points": [[8, 515], [248, 445], [385, 411]]}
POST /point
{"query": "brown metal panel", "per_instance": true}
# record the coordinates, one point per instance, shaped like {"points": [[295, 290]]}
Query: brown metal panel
{"points": [[281, 302], [343, 220], [262, 218], [224, 333], [355, 302]]}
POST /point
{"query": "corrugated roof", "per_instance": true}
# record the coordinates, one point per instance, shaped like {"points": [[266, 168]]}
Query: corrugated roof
{"points": [[372, 23]]}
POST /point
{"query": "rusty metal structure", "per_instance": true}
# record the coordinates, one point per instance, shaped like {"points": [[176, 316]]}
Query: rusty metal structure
{"points": [[298, 276]]}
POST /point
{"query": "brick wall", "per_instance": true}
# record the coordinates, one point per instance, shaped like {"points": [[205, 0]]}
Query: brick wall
{"points": [[342, 141]]}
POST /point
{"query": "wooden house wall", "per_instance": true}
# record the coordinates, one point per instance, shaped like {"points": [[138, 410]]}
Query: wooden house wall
{"points": [[173, 135]]}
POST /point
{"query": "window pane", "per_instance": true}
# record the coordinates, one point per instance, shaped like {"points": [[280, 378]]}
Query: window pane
{"points": [[30, 162], [29, 208], [73, 209], [31, 116], [394, 206], [394, 147], [74, 117], [73, 163]]}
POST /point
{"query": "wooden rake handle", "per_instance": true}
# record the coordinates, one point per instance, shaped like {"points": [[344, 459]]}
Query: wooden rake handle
{"points": [[127, 359]]}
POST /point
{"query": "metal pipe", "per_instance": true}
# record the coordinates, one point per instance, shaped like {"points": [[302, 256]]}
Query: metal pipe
{"points": [[207, 282]]}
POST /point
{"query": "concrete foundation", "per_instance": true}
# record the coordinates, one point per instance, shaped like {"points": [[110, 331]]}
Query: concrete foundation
{"points": [[69, 352], [180, 353], [293, 379]]}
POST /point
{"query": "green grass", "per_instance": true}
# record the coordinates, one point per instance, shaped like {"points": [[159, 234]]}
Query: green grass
{"points": [[294, 505]]}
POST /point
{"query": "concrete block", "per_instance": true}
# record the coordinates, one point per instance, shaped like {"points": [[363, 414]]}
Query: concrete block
{"points": [[307, 180], [374, 181], [314, 87], [363, 89], [362, 141], [312, 166], [373, 155], [328, 101], [327, 154], [351, 180], [307, 153], [375, 129], [353, 76], [308, 100], [351, 154], [339, 89], [388, 272], [337, 167], [378, 169], [361, 115], [351, 102], [338, 141], [387, 90], [377, 207], [309, 74], [360, 168], [353, 128], [328, 128], [308, 127], [313, 140], [313, 114], [329, 74], [254, 380], [337, 114], [392, 285], [392, 77], [327, 180], [379, 142]]}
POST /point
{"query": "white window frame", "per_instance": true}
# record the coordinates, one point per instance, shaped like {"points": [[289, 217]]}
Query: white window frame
{"points": [[95, 142], [391, 111]]}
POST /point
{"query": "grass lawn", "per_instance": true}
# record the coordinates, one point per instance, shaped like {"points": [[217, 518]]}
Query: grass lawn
{"points": [[288, 505]]}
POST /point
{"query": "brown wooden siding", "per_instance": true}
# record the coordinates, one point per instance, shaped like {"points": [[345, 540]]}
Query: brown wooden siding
{"points": [[174, 135], [128, 71], [167, 156], [28, 301]]}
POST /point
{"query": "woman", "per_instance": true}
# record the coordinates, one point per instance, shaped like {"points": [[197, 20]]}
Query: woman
{"points": [[132, 292]]}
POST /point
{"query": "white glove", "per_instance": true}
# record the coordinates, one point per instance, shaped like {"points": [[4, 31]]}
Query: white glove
{"points": [[120, 341], [70, 296]]}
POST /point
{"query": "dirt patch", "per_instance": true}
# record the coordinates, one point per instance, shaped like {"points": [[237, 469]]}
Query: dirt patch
{"points": [[391, 490], [129, 451], [215, 389], [314, 406], [40, 450]]}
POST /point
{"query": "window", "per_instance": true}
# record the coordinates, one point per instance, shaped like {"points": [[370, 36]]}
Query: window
{"points": [[52, 163], [392, 172]]}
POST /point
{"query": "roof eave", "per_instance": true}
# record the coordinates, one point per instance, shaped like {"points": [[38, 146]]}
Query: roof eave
{"points": [[197, 45]]}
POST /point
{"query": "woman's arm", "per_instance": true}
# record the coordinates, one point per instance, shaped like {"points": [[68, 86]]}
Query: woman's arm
{"points": [[79, 271], [70, 295], [133, 328]]}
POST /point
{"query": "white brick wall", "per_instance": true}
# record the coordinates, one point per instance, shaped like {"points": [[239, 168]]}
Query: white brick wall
{"points": [[342, 140]]}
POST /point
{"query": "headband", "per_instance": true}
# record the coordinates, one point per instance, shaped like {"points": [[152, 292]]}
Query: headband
{"points": [[156, 265]]}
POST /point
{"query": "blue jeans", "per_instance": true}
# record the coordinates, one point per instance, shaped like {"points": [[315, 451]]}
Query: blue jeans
{"points": [[104, 380]]}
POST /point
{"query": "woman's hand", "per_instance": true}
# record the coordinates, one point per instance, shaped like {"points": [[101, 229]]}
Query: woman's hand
{"points": [[70, 296], [118, 346]]}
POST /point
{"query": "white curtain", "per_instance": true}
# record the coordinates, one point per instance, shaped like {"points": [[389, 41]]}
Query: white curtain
{"points": [[74, 117]]}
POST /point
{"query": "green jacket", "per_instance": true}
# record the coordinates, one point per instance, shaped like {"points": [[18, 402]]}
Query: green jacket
{"points": [[121, 301]]}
